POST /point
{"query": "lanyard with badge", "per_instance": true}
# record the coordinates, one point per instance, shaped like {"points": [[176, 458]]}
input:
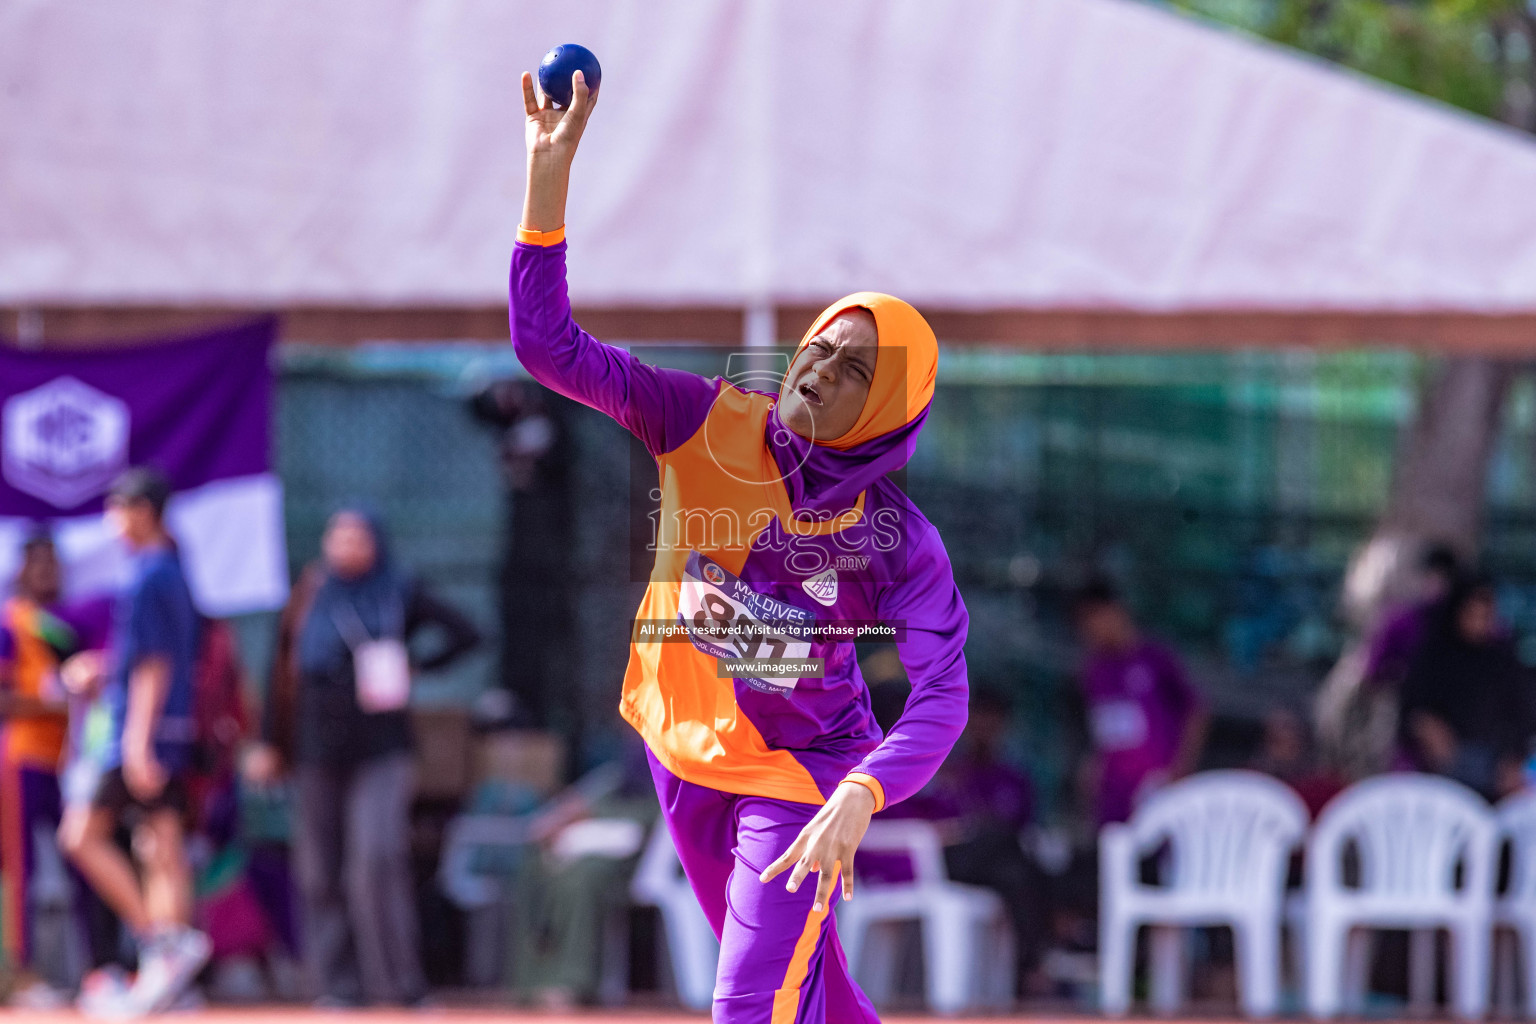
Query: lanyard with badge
{"points": [[381, 666]]}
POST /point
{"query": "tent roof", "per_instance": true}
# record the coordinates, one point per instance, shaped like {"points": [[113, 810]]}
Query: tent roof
{"points": [[974, 155]]}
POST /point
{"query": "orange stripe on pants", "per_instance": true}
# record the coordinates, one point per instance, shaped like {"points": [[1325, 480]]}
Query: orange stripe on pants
{"points": [[786, 1001]]}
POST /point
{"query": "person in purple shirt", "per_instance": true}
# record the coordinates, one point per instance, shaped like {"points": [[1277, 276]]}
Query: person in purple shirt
{"points": [[1146, 721], [1402, 629], [981, 803], [779, 534], [1358, 711]]}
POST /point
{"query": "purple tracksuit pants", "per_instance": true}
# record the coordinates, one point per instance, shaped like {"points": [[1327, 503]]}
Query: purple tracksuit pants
{"points": [[780, 963]]}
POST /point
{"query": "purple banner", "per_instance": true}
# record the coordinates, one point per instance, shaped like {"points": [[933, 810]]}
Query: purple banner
{"points": [[197, 408]]}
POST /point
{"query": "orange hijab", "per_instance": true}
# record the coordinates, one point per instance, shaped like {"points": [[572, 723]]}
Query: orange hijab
{"points": [[906, 363]]}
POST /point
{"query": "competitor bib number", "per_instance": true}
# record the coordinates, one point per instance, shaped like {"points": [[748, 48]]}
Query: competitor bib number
{"points": [[726, 618]]}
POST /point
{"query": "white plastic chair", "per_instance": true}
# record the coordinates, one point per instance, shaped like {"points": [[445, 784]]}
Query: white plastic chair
{"points": [[1515, 907], [1228, 836], [968, 944], [466, 836], [1415, 837], [480, 896], [483, 900], [694, 952]]}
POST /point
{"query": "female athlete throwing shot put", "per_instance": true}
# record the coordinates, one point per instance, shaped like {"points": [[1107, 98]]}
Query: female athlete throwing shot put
{"points": [[778, 533]]}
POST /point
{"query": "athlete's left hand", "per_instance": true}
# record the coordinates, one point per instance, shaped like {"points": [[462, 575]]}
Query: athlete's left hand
{"points": [[827, 843]]}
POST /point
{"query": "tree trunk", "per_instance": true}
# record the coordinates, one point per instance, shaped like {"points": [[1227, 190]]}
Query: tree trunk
{"points": [[1439, 488], [1440, 481], [1439, 484]]}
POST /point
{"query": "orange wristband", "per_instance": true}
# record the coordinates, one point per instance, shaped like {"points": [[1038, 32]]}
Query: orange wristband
{"points": [[870, 783], [528, 237]]}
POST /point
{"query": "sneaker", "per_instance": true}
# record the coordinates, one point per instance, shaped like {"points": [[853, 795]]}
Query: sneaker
{"points": [[104, 992], [166, 968], [38, 995]]}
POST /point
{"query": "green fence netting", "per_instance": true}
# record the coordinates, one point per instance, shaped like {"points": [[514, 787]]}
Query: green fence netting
{"points": [[1223, 491]]}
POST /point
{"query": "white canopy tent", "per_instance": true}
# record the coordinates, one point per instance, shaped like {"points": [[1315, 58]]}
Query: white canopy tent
{"points": [[1095, 161]]}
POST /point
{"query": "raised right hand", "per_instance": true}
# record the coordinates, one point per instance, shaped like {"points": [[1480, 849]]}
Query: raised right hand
{"points": [[552, 131], [552, 137]]}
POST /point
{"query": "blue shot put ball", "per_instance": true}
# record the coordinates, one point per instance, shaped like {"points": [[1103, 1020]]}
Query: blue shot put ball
{"points": [[559, 64]]}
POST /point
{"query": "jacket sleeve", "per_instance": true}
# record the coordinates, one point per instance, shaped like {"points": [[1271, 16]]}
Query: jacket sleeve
{"points": [[459, 634], [662, 407], [931, 620]]}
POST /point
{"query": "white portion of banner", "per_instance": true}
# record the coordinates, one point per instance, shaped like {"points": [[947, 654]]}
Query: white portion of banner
{"points": [[973, 153], [237, 554], [231, 535]]}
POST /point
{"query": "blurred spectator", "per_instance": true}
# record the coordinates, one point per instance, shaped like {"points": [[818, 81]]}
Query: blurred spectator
{"points": [[1466, 702], [1401, 630], [574, 880], [337, 715], [536, 450], [1146, 721], [1286, 752], [37, 634], [981, 806], [993, 803], [886, 678], [244, 890], [1358, 705], [135, 753]]}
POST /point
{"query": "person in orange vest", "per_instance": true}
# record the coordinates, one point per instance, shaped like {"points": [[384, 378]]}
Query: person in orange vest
{"points": [[37, 634]]}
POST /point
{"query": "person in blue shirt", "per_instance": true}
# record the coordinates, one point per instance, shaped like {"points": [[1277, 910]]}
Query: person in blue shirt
{"points": [[137, 750]]}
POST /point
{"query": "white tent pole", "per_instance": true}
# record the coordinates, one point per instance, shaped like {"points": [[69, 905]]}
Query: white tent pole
{"points": [[758, 327], [29, 328]]}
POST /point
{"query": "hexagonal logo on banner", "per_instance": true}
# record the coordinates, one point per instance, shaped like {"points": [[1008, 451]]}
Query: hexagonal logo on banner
{"points": [[63, 442]]}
